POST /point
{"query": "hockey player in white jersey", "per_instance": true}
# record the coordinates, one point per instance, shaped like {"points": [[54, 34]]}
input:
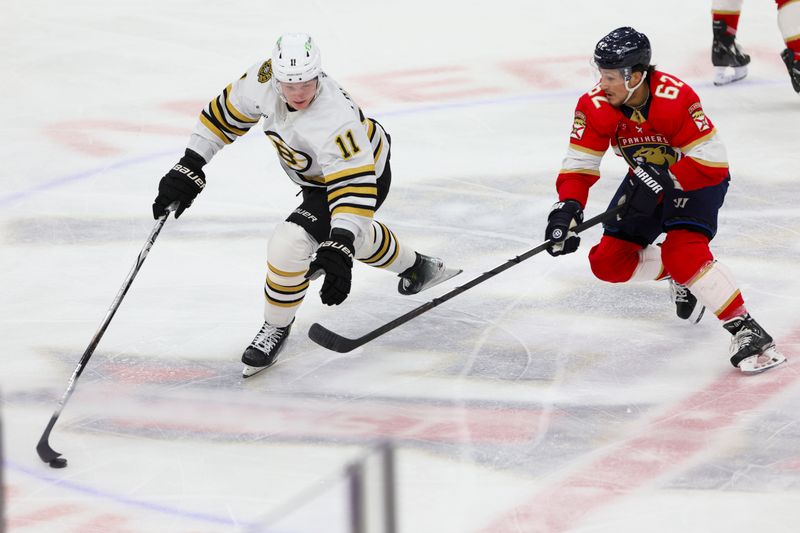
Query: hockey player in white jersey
{"points": [[340, 160]]}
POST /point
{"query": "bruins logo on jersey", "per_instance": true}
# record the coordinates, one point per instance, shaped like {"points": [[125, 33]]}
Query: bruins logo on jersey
{"points": [[294, 159], [265, 72], [578, 126], [699, 118]]}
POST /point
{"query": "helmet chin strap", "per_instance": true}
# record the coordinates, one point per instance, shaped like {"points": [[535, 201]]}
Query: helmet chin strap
{"points": [[632, 90]]}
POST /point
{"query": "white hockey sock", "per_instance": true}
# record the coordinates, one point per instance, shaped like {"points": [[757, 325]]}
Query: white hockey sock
{"points": [[726, 6], [650, 266], [289, 252], [789, 21], [714, 287], [381, 249]]}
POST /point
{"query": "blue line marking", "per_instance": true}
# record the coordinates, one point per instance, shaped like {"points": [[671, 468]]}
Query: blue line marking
{"points": [[125, 500], [529, 97], [62, 181]]}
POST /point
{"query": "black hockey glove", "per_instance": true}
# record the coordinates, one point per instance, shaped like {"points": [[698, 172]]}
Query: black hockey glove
{"points": [[334, 259], [644, 188], [563, 217], [182, 184]]}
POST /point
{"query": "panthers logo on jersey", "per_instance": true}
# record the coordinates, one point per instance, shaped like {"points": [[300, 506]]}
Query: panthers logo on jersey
{"points": [[661, 155]]}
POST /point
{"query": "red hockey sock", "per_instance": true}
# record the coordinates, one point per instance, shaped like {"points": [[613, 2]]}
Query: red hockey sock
{"points": [[731, 19], [794, 46]]}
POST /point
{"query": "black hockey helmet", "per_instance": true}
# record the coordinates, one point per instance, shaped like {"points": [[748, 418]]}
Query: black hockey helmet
{"points": [[623, 48]]}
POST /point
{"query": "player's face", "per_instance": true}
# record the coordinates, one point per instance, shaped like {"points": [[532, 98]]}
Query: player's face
{"points": [[612, 83], [299, 95]]}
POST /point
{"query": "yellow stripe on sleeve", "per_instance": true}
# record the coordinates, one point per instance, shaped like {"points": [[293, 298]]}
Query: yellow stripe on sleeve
{"points": [[219, 116], [342, 209], [349, 171], [352, 189], [215, 130], [235, 112]]}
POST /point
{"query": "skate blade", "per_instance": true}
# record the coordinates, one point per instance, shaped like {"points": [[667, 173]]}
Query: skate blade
{"points": [[755, 364], [723, 76], [696, 319], [441, 278], [250, 371]]}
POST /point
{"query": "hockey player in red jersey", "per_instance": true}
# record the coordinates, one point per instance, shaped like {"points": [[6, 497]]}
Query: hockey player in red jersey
{"points": [[729, 60], [676, 185]]}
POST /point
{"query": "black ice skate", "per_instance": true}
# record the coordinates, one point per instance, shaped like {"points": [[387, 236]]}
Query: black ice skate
{"points": [[264, 350], [752, 349], [725, 54], [794, 68], [425, 273], [686, 306]]}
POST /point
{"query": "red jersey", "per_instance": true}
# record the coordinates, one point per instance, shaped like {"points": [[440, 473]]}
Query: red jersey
{"points": [[670, 129]]}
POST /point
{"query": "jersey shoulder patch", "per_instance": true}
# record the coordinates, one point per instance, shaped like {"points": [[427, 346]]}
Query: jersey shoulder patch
{"points": [[699, 117], [265, 72], [578, 125]]}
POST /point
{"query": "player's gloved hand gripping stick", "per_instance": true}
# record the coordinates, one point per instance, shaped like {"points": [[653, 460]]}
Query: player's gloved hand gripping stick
{"points": [[333, 341]]}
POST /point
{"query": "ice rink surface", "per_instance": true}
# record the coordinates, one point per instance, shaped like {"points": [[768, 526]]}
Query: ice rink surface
{"points": [[539, 401]]}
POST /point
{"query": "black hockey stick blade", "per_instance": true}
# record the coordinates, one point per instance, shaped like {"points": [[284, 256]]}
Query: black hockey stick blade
{"points": [[46, 453], [43, 448], [333, 341], [338, 343]]}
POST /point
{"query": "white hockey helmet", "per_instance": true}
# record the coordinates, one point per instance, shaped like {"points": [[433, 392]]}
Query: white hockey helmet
{"points": [[296, 58]]}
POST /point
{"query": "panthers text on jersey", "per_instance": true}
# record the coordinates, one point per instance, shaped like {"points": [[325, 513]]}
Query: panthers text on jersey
{"points": [[329, 144], [670, 129]]}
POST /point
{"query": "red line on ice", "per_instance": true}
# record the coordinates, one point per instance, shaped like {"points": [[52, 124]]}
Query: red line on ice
{"points": [[662, 448]]}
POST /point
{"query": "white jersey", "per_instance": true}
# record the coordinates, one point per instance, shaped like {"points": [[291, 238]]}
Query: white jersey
{"points": [[329, 144]]}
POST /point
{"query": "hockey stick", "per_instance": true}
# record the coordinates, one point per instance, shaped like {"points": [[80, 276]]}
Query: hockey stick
{"points": [[46, 453], [333, 341]]}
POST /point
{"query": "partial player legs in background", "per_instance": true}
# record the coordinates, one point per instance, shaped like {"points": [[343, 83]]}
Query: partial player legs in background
{"points": [[789, 24], [417, 272], [792, 61], [729, 60]]}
